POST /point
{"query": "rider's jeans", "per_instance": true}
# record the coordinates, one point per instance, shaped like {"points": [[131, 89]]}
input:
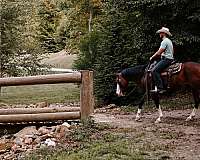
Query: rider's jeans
{"points": [[159, 67]]}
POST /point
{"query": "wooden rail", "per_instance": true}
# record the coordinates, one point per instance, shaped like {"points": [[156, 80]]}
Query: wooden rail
{"points": [[85, 78]]}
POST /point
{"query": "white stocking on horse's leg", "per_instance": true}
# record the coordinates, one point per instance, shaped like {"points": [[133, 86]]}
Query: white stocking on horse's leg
{"points": [[157, 103], [196, 101], [138, 115], [191, 115], [160, 115]]}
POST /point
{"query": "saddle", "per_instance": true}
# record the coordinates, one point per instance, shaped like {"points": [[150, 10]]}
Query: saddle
{"points": [[166, 74], [171, 70]]}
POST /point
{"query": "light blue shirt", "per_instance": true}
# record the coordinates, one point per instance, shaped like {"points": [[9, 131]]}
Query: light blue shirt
{"points": [[168, 46]]}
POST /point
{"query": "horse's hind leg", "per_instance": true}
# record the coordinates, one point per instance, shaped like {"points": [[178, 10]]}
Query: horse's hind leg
{"points": [[156, 99], [196, 96]]}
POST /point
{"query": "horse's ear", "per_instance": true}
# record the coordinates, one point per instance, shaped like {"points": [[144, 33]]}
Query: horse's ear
{"points": [[124, 66], [118, 74]]}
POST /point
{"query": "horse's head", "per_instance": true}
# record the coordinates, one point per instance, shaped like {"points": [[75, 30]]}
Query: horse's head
{"points": [[122, 84], [134, 73]]}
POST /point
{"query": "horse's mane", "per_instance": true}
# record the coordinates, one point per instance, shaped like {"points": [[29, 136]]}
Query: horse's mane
{"points": [[133, 72]]}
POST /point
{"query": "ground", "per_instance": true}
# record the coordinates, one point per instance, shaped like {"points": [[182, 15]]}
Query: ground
{"points": [[174, 138]]}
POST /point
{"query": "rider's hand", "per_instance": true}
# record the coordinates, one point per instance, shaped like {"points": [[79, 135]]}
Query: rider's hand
{"points": [[150, 58]]}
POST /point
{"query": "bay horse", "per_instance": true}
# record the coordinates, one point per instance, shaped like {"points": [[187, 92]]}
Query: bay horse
{"points": [[189, 75]]}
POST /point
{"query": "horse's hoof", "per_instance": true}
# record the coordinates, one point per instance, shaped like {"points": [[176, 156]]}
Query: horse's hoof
{"points": [[188, 119], [137, 118], [157, 121]]}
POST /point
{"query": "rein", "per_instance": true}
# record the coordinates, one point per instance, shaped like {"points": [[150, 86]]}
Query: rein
{"points": [[131, 91]]}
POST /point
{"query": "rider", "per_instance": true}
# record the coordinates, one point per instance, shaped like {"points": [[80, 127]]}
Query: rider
{"points": [[165, 52]]}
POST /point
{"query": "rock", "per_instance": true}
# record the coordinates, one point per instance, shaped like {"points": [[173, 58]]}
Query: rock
{"points": [[14, 148], [6, 145], [41, 105], [3, 151], [53, 129], [66, 125], [7, 136], [9, 156], [43, 137], [28, 140], [4, 105], [62, 131], [43, 130], [49, 142], [26, 131], [18, 141], [37, 141]]}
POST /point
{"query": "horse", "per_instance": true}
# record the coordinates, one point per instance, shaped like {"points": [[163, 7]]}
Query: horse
{"points": [[187, 76]]}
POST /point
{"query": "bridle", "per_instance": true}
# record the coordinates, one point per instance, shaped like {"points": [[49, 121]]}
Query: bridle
{"points": [[121, 86]]}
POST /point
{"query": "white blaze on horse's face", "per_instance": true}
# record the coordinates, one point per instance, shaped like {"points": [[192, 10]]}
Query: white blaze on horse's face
{"points": [[119, 91]]}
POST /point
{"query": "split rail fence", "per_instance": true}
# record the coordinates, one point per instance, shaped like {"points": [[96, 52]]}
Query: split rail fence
{"points": [[85, 78]]}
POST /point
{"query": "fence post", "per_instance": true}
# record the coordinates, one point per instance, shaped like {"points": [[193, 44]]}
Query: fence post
{"points": [[86, 94]]}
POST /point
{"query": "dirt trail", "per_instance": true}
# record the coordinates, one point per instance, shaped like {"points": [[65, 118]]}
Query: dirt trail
{"points": [[181, 139]]}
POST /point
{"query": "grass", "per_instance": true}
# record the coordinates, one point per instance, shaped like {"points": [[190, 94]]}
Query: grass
{"points": [[60, 60], [53, 93]]}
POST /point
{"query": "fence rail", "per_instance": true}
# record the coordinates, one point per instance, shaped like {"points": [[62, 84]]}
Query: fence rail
{"points": [[85, 78]]}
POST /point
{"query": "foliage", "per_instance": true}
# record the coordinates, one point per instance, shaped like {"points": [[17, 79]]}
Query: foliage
{"points": [[20, 49], [49, 21], [127, 36]]}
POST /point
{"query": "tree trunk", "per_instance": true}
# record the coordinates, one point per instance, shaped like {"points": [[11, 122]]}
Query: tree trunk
{"points": [[90, 21]]}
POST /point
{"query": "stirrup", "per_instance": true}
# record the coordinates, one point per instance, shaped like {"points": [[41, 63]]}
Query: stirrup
{"points": [[154, 90]]}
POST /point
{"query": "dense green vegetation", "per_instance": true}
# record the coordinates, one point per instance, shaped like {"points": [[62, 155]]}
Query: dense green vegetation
{"points": [[127, 36], [104, 34]]}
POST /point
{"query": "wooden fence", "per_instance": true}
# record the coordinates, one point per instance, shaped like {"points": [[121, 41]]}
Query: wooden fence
{"points": [[85, 78]]}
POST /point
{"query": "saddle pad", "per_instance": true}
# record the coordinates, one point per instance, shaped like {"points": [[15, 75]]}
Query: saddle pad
{"points": [[174, 68]]}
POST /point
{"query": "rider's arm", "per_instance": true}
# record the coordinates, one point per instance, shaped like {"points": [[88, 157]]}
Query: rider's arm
{"points": [[158, 53]]}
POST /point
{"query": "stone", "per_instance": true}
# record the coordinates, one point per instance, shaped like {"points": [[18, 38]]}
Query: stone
{"points": [[43, 130], [37, 141], [18, 141], [14, 148], [41, 105], [43, 137], [49, 142], [28, 140], [66, 125], [5, 145], [27, 131]]}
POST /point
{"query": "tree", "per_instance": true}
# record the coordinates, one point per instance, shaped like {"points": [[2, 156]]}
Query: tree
{"points": [[127, 36], [49, 21], [20, 50]]}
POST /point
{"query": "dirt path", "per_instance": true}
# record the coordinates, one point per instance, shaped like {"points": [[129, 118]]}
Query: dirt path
{"points": [[176, 138]]}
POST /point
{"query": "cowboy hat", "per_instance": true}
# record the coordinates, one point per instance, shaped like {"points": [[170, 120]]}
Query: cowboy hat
{"points": [[164, 30]]}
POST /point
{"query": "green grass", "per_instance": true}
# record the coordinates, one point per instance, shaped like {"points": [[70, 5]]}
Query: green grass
{"points": [[38, 93], [49, 93], [60, 60]]}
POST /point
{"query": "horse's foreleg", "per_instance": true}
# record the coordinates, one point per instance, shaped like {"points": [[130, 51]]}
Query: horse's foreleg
{"points": [[157, 103], [192, 115], [138, 115], [196, 96], [160, 115]]}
